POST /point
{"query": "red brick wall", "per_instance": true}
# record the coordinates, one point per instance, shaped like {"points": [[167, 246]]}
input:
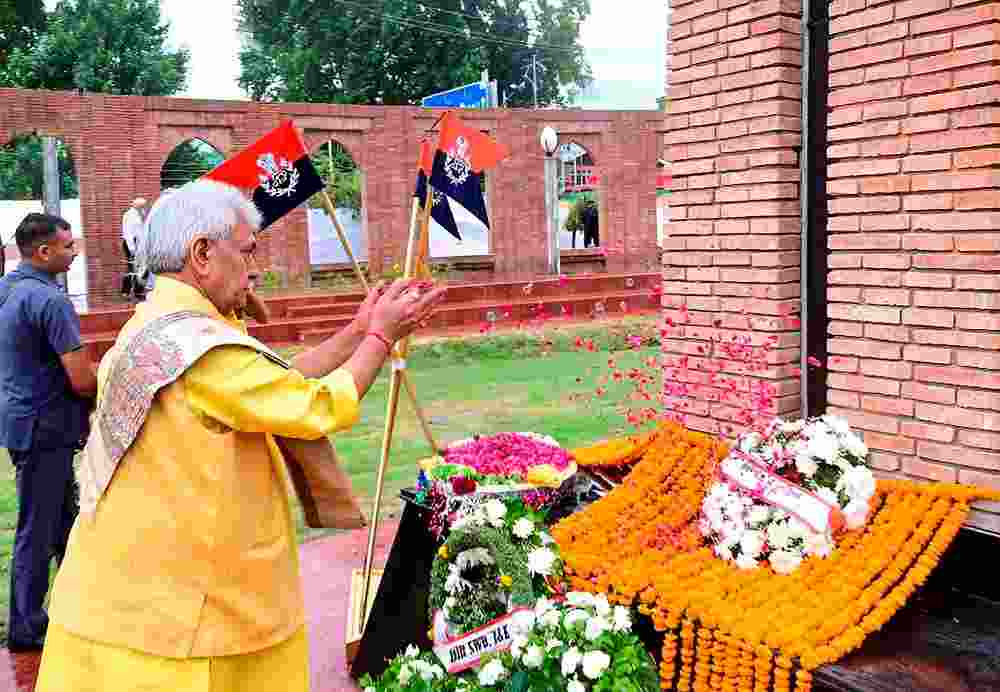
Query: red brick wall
{"points": [[914, 280], [119, 145], [732, 244]]}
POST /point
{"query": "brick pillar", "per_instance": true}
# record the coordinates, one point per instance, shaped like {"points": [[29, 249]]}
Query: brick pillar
{"points": [[732, 246], [915, 249]]}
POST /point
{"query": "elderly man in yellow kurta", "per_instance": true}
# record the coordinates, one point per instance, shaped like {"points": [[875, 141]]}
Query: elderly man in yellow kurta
{"points": [[181, 573]]}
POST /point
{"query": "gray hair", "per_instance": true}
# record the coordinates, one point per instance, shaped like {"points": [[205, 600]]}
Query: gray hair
{"points": [[201, 208]]}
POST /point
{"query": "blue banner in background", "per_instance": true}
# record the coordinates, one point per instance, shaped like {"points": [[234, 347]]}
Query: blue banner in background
{"points": [[472, 95]]}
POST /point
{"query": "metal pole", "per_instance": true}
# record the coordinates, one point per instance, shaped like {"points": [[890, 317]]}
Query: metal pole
{"points": [[552, 212], [51, 192], [534, 76]]}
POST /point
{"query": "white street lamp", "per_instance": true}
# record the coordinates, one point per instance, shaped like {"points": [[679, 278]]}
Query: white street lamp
{"points": [[550, 142]]}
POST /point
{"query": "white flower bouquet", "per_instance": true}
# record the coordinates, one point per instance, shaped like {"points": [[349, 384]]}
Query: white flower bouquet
{"points": [[582, 644], [784, 495]]}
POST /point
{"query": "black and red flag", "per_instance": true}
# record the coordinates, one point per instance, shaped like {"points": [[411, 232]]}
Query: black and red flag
{"points": [[276, 168], [461, 157], [440, 207]]}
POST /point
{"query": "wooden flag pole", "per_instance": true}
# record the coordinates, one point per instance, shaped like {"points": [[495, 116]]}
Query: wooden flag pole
{"points": [[407, 382], [399, 365]]}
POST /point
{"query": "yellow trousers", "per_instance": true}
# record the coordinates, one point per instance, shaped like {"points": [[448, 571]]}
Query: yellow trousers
{"points": [[71, 663]]}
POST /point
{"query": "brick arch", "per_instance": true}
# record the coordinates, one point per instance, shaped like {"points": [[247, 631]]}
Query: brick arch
{"points": [[170, 138], [165, 158], [353, 142]]}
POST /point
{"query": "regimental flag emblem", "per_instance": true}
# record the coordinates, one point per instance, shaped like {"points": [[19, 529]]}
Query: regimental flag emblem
{"points": [[440, 208], [461, 157], [275, 170], [279, 177], [457, 165]]}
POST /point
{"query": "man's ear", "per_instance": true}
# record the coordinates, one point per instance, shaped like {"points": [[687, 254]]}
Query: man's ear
{"points": [[200, 254], [43, 251]]}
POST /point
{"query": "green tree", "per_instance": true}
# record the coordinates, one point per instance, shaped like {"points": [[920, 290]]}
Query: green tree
{"points": [[106, 46], [396, 51], [21, 23], [21, 170], [341, 175], [188, 161]]}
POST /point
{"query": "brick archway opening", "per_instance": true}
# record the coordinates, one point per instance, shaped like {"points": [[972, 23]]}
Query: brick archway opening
{"points": [[345, 187], [22, 184], [189, 160], [580, 198]]}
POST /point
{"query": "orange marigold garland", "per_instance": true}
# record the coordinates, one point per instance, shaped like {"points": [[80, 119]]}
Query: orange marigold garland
{"points": [[732, 629]]}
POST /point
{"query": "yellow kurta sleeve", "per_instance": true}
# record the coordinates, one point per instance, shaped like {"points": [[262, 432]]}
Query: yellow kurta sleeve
{"points": [[245, 391]]}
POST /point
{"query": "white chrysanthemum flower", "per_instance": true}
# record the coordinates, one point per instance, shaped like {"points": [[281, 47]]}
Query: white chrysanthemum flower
{"points": [[856, 514], [760, 514], [574, 616], [778, 534], [595, 663], [542, 606], [550, 618], [596, 626], [751, 543], [541, 561], [724, 550], [822, 445], [797, 530], [622, 619], [522, 622], [495, 511], [412, 651], [746, 561], [492, 672], [601, 605], [523, 528], [818, 544], [856, 446], [785, 561], [858, 483], [570, 660], [517, 644], [837, 424], [575, 686], [534, 657]]}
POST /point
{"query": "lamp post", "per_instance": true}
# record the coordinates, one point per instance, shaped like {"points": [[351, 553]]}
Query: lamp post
{"points": [[550, 142]]}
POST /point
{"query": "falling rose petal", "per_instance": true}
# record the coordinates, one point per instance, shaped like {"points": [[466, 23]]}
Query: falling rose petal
{"points": [[563, 279], [814, 361]]}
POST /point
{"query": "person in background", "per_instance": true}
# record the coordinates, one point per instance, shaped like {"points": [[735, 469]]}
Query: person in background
{"points": [[182, 570], [47, 382], [132, 232]]}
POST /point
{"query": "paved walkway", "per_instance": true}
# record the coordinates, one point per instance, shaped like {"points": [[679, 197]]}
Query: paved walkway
{"points": [[326, 577]]}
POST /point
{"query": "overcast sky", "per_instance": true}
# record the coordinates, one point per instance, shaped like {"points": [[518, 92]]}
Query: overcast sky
{"points": [[623, 47]]}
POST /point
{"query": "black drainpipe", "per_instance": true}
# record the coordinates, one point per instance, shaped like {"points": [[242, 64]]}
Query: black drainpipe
{"points": [[812, 167]]}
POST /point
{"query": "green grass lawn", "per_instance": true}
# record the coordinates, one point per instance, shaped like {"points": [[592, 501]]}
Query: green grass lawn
{"points": [[466, 386]]}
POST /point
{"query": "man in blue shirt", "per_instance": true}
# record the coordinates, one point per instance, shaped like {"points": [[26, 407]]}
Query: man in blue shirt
{"points": [[47, 383]]}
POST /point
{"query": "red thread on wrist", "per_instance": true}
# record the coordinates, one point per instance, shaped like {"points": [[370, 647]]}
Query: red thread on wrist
{"points": [[385, 342]]}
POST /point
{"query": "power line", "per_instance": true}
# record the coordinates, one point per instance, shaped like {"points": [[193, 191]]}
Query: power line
{"points": [[445, 30]]}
